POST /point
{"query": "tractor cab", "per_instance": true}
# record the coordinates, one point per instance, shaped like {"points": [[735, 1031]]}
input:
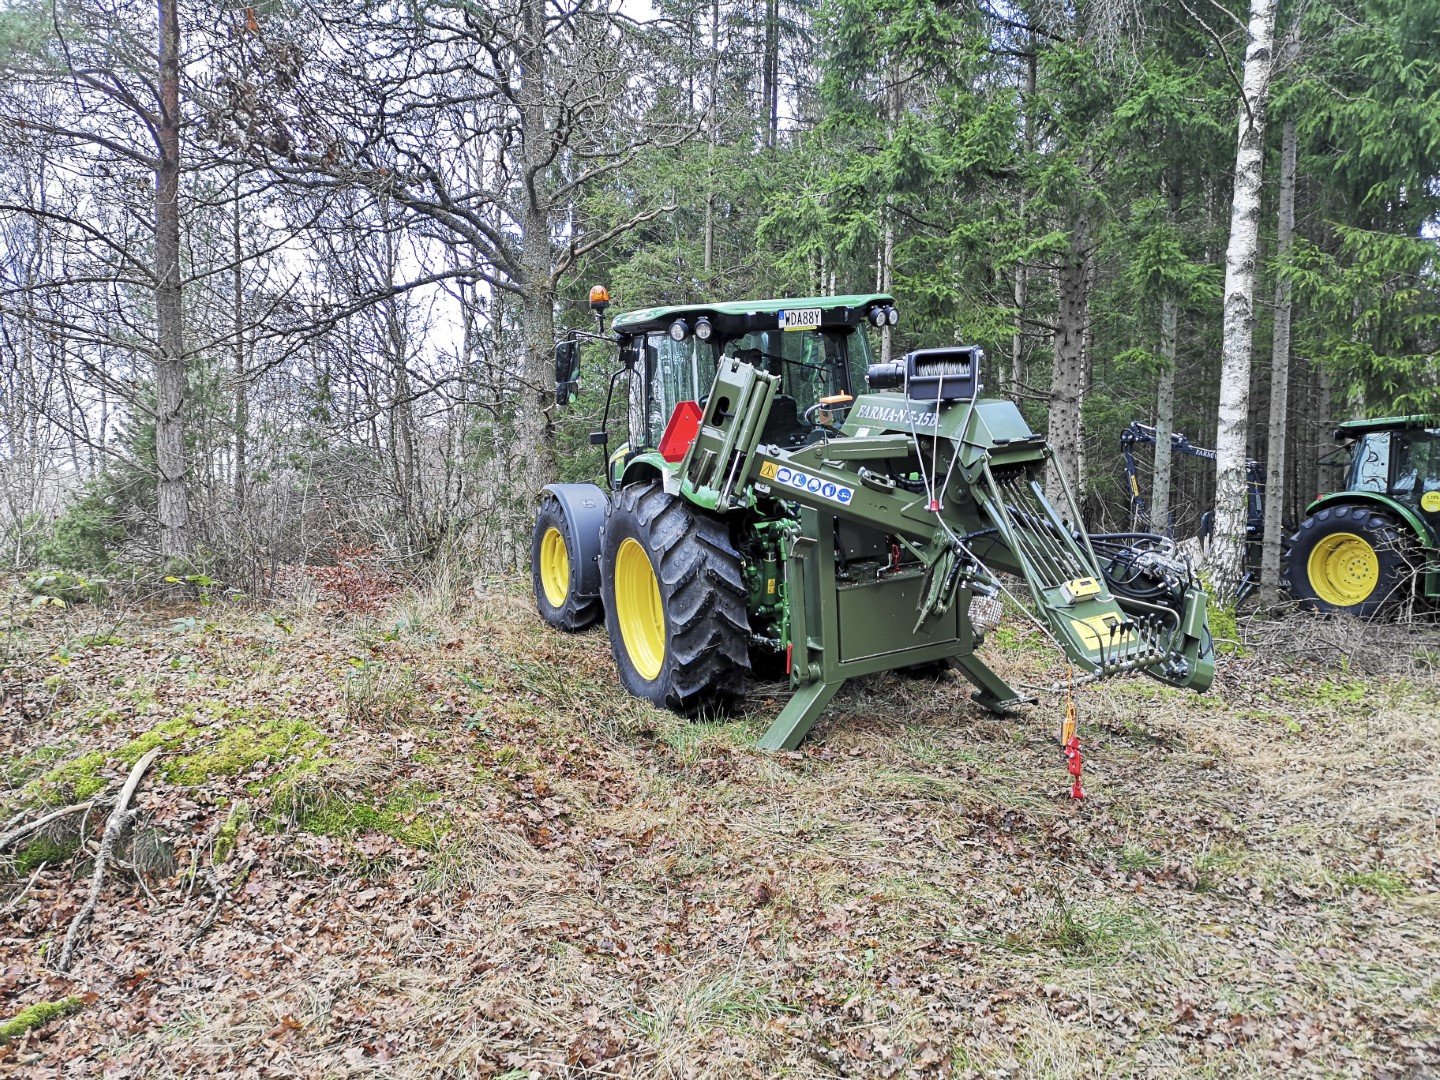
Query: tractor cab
{"points": [[1398, 457], [816, 346]]}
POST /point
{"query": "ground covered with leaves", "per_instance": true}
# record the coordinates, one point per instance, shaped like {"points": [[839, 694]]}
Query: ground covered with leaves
{"points": [[431, 837]]}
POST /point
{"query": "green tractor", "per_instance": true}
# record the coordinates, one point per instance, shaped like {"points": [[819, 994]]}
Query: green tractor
{"points": [[780, 501], [1373, 546]]}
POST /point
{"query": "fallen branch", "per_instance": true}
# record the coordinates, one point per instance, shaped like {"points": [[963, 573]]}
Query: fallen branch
{"points": [[222, 893], [22, 831], [120, 819]]}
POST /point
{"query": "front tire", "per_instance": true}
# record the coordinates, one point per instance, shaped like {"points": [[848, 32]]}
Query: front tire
{"points": [[555, 570], [1349, 559], [674, 601]]}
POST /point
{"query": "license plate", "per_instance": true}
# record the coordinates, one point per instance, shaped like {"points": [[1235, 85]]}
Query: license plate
{"points": [[800, 319]]}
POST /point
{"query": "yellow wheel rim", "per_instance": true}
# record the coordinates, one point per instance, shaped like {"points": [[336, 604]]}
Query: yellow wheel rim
{"points": [[554, 567], [1344, 569], [638, 609]]}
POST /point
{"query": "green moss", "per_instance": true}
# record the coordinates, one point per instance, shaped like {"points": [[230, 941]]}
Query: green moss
{"points": [[1022, 640], [240, 748], [403, 816], [174, 731], [217, 745], [229, 830], [74, 781], [1337, 693], [37, 1015], [43, 850], [1223, 627], [99, 641]]}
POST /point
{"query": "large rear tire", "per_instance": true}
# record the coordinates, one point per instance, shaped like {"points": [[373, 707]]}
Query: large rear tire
{"points": [[555, 570], [674, 600], [1351, 559]]}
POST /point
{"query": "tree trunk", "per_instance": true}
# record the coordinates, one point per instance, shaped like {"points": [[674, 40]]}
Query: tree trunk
{"points": [[172, 496], [710, 122], [241, 421], [1022, 272], [886, 279], [1226, 560], [1164, 418], [770, 76], [1165, 390], [1279, 376], [532, 455], [1068, 360]]}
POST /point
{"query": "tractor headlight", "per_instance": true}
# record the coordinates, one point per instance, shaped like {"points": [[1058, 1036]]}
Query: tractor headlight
{"points": [[877, 317], [678, 330], [892, 316], [703, 329]]}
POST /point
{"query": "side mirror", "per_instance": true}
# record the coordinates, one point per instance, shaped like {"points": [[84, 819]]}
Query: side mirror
{"points": [[567, 371]]}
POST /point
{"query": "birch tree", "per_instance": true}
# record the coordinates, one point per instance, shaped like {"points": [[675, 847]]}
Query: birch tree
{"points": [[1226, 559]]}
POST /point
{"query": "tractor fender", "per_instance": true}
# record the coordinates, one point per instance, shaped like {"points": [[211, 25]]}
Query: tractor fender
{"points": [[648, 465], [1383, 502], [584, 508], [1431, 573]]}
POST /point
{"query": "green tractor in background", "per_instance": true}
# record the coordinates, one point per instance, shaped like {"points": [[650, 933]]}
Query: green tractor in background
{"points": [[1373, 546], [779, 500]]}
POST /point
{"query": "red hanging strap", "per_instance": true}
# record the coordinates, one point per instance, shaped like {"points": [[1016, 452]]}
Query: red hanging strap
{"points": [[1074, 764], [1070, 742]]}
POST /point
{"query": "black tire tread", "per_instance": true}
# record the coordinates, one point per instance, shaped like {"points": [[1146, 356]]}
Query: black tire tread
{"points": [[1394, 543], [707, 654]]}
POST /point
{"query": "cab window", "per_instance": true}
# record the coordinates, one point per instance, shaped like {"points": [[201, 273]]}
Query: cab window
{"points": [[1371, 471], [1417, 465], [675, 371]]}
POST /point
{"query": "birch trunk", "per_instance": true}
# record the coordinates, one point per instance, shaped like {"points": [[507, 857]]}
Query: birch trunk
{"points": [[1226, 560], [1279, 377], [172, 494]]}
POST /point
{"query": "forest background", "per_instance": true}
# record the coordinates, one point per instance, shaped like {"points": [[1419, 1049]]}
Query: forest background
{"points": [[279, 283]]}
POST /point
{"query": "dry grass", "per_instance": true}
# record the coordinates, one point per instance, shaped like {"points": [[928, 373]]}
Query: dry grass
{"points": [[1252, 886]]}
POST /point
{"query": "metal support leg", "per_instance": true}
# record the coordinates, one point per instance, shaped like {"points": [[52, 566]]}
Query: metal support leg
{"points": [[799, 715], [991, 691]]}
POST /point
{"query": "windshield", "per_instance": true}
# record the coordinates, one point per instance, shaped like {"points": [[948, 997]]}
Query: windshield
{"points": [[811, 363], [1417, 468]]}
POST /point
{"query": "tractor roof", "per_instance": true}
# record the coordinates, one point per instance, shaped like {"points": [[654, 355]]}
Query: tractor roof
{"points": [[737, 316], [1354, 428]]}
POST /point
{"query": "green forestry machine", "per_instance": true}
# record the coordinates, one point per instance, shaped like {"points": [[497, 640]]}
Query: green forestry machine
{"points": [[782, 502], [1366, 549]]}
